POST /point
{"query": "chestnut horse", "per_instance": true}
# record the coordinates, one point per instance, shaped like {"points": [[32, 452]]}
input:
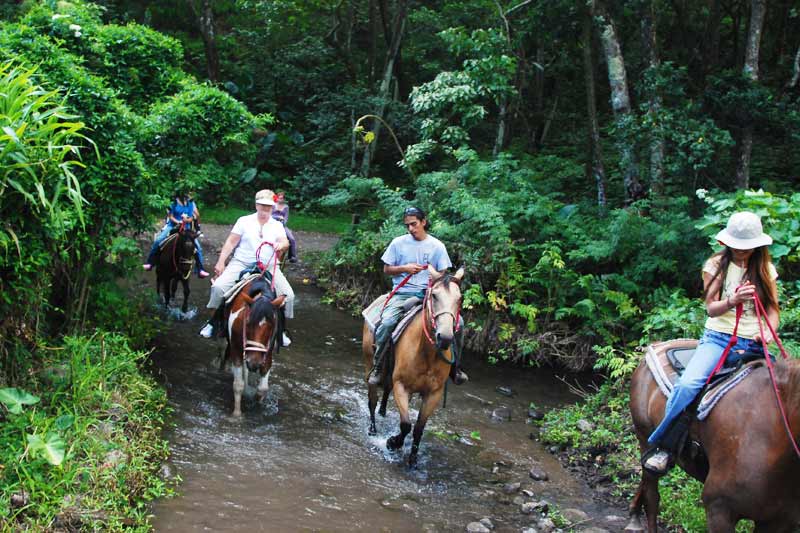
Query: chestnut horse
{"points": [[752, 470], [421, 361], [175, 262], [253, 334]]}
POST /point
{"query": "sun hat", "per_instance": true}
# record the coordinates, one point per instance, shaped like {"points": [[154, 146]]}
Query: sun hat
{"points": [[265, 197], [744, 232]]}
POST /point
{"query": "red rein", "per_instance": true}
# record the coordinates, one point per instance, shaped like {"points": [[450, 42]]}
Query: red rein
{"points": [[262, 267], [761, 313]]}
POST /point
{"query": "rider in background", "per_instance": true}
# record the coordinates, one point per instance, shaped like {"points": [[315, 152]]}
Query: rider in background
{"points": [[281, 213], [244, 240], [730, 277], [182, 210], [408, 255]]}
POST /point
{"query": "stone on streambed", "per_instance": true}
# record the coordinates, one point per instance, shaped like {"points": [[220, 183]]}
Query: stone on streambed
{"points": [[594, 529], [546, 525], [534, 507], [535, 414], [537, 473], [511, 488], [487, 523], [477, 527], [501, 414], [575, 515], [505, 391], [584, 425]]}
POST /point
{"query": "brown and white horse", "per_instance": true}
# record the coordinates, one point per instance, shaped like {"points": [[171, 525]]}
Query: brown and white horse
{"points": [[752, 470], [252, 321], [421, 359]]}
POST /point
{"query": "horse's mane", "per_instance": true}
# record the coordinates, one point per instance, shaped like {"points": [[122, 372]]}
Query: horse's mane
{"points": [[262, 306]]}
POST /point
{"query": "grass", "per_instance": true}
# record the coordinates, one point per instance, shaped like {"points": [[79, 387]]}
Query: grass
{"points": [[85, 449], [320, 223]]}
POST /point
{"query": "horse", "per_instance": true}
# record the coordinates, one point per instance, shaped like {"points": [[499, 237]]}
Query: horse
{"points": [[750, 468], [422, 364], [253, 331], [175, 263]]}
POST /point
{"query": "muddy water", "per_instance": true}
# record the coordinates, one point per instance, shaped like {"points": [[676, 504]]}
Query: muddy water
{"points": [[302, 460]]}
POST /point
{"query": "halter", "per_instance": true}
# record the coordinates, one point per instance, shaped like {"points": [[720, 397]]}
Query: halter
{"points": [[761, 313], [254, 346], [183, 261], [427, 307]]}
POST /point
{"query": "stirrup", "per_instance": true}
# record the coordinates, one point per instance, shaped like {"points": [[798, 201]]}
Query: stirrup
{"points": [[657, 461]]}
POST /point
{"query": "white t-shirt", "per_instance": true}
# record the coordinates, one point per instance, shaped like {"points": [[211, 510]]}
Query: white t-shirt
{"points": [[253, 234]]}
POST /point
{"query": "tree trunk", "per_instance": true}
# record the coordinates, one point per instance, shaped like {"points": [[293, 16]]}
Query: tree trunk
{"points": [[500, 139], [373, 43], [711, 48], [204, 13], [620, 100], [595, 160], [795, 71], [650, 44], [398, 28], [757, 15]]}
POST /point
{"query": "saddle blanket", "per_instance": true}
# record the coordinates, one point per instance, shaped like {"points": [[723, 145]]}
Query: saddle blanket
{"points": [[168, 240], [231, 293], [372, 315], [662, 359]]}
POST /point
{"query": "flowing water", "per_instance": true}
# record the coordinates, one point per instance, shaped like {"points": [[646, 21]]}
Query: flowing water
{"points": [[301, 460]]}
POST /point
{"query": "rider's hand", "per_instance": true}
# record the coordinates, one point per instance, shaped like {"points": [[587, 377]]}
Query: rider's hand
{"points": [[415, 268], [767, 337], [743, 294], [218, 269]]}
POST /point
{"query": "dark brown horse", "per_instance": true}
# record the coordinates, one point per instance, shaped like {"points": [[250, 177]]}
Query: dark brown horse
{"points": [[253, 333], [420, 353], [752, 471], [175, 263]]}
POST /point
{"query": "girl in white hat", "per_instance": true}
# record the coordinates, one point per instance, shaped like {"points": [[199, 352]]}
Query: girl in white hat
{"points": [[730, 277]]}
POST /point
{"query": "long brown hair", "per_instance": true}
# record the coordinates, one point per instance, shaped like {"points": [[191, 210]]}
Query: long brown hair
{"points": [[758, 273]]}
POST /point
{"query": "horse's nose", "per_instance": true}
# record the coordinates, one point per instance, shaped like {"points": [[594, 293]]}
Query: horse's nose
{"points": [[252, 366], [443, 341]]}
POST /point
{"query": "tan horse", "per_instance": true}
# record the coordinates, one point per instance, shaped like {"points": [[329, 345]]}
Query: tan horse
{"points": [[420, 366], [751, 472], [252, 320]]}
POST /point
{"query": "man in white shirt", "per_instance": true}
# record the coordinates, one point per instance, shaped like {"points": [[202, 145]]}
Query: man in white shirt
{"points": [[244, 241]]}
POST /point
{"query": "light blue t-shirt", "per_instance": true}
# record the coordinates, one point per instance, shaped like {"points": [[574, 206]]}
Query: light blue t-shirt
{"points": [[406, 249]]}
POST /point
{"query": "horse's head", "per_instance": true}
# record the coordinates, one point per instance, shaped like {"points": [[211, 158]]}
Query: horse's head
{"points": [[259, 330], [443, 303]]}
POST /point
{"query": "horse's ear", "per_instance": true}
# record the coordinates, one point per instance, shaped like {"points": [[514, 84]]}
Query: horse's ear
{"points": [[248, 300], [458, 276], [435, 274], [277, 302]]}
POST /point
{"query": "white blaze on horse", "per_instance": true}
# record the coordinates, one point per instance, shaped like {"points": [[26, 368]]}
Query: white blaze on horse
{"points": [[422, 358], [253, 334]]}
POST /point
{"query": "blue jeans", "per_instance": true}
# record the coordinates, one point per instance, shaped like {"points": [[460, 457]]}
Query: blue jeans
{"points": [[700, 366]]}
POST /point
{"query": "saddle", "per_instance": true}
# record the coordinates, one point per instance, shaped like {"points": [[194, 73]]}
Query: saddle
{"points": [[172, 237], [667, 360], [372, 315]]}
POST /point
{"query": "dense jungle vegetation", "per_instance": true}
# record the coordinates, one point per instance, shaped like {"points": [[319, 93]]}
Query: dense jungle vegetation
{"points": [[576, 157]]}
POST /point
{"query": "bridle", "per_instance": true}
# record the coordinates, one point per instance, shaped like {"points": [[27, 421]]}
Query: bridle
{"points": [[255, 346], [183, 261], [427, 308]]}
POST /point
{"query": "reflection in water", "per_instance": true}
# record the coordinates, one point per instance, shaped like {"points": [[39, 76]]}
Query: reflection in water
{"points": [[302, 460]]}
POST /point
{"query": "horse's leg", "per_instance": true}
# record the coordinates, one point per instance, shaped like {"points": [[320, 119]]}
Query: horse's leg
{"points": [[774, 526], [429, 403], [263, 384], [401, 398], [372, 393], [185, 306], [238, 388], [719, 518], [635, 509], [652, 500], [384, 400]]}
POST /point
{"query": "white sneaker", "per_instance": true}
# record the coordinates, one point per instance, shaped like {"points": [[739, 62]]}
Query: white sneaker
{"points": [[286, 340], [207, 331], [658, 462]]}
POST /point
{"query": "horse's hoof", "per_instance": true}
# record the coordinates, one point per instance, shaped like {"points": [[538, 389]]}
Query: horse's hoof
{"points": [[412, 461], [382, 412], [634, 525], [393, 444], [372, 430], [237, 414]]}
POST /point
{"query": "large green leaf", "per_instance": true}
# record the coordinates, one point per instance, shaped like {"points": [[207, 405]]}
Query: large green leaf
{"points": [[14, 399], [51, 448]]}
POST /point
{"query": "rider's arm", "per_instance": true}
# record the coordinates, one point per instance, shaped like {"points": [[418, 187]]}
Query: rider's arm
{"points": [[281, 244], [408, 268], [230, 243]]}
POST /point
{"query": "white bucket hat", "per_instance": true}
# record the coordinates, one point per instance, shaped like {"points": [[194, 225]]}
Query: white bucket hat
{"points": [[744, 232]]}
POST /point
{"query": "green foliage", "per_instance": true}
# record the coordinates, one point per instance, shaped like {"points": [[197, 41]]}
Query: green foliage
{"points": [[92, 442]]}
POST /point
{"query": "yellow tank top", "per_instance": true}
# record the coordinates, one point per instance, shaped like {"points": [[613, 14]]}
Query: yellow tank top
{"points": [[748, 324]]}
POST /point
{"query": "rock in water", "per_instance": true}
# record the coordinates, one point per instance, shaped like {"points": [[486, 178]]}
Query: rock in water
{"points": [[477, 527]]}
